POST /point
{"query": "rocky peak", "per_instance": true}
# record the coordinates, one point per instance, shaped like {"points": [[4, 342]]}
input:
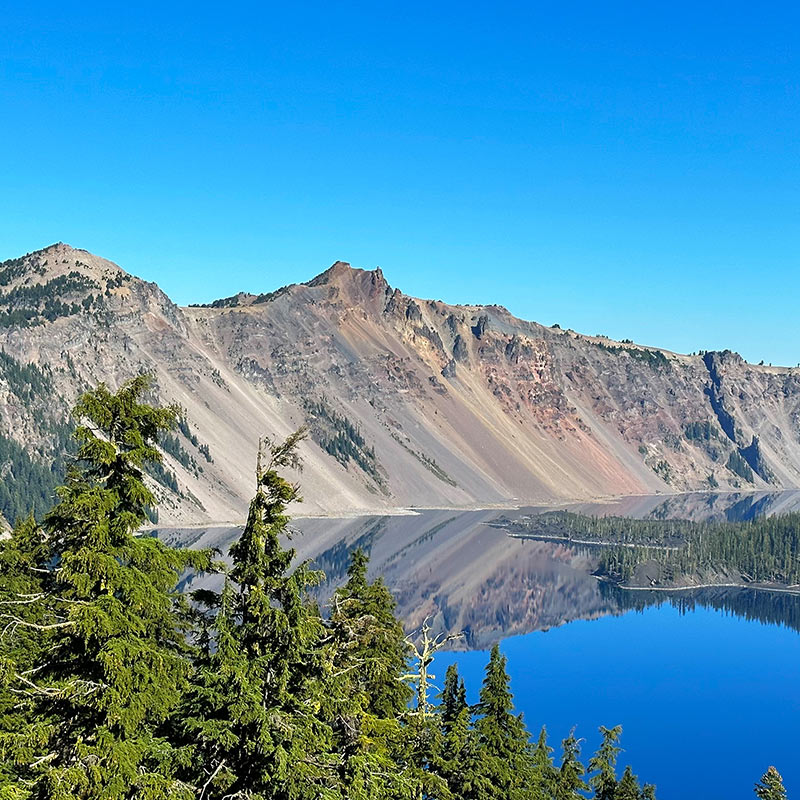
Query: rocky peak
{"points": [[351, 284]]}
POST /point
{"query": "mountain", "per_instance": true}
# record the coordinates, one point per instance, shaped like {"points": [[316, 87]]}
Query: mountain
{"points": [[410, 402]]}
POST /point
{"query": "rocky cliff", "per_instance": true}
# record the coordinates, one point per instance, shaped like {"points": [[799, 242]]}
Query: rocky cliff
{"points": [[410, 402]]}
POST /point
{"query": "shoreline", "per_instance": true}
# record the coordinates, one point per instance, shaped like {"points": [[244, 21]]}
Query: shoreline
{"points": [[754, 586], [512, 504]]}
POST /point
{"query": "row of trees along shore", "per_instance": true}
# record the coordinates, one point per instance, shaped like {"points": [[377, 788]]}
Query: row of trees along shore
{"points": [[115, 685], [764, 548]]}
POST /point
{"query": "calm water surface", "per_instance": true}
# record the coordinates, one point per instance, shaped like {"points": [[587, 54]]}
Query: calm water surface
{"points": [[705, 684], [707, 700]]}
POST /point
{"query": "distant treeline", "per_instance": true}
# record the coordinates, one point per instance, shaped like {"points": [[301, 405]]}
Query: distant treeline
{"points": [[769, 608], [762, 550]]}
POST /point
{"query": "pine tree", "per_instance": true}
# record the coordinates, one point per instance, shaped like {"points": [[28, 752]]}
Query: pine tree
{"points": [[425, 745], [648, 792], [545, 773], [771, 786], [459, 757], [504, 765], [115, 663], [370, 641], [604, 764], [628, 786], [453, 698], [24, 580], [367, 696], [570, 775], [255, 715]]}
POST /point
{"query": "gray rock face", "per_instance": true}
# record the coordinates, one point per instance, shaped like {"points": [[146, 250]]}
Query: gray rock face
{"points": [[411, 402]]}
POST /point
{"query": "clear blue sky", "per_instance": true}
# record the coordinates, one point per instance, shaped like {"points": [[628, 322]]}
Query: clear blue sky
{"points": [[622, 168]]}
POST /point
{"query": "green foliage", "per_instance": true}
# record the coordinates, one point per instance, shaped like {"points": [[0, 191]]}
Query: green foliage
{"points": [[738, 465], [426, 461], [11, 270], [770, 787], [39, 302], [604, 764], [654, 359], [700, 431], [367, 695], [28, 479], [628, 786], [115, 664], [254, 714], [545, 773], [339, 437], [503, 761], [29, 483], [235, 300], [570, 784], [762, 549], [113, 687], [662, 469]]}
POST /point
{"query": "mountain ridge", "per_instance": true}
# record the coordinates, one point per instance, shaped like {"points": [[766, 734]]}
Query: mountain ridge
{"points": [[411, 402]]}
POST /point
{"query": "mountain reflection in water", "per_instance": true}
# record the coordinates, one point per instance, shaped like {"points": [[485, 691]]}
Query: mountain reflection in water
{"points": [[452, 568]]}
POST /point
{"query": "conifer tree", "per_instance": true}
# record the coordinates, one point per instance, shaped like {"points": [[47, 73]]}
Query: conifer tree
{"points": [[570, 775], [24, 580], [628, 786], [255, 715], [503, 757], [457, 743], [115, 665], [423, 733], [770, 787], [459, 757], [545, 773], [604, 764], [648, 792], [367, 696], [371, 644], [453, 698]]}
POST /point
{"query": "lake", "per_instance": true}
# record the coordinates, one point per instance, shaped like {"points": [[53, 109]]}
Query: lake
{"points": [[704, 683], [707, 699]]}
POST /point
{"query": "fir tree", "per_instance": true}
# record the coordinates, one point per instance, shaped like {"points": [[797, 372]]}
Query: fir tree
{"points": [[115, 666], [371, 644], [770, 787], [457, 744], [628, 786], [648, 792], [570, 775], [24, 581], [366, 693], [604, 764], [459, 757], [424, 740], [545, 773], [453, 699], [255, 714], [503, 756]]}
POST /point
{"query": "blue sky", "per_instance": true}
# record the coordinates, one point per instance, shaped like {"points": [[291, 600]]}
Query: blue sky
{"points": [[618, 168]]}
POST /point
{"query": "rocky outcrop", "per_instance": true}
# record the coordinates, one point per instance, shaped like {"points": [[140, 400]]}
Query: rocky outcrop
{"points": [[411, 402]]}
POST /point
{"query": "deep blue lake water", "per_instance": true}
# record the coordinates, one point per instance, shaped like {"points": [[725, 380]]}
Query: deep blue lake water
{"points": [[705, 684], [707, 700]]}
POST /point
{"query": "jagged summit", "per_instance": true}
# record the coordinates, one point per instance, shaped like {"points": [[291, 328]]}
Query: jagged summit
{"points": [[344, 280], [351, 283], [339, 270], [410, 402]]}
